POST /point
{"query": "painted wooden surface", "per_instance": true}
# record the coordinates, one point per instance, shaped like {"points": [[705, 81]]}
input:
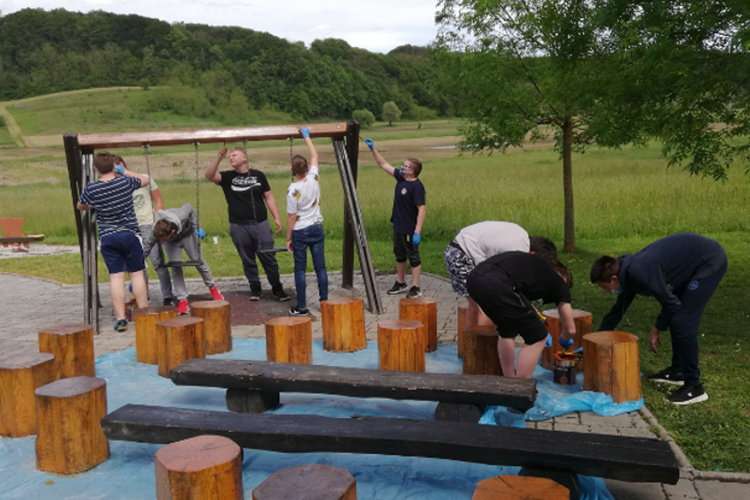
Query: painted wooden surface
{"points": [[73, 347], [613, 365], [145, 331], [519, 488], [20, 376], [311, 482], [424, 310], [401, 345], [178, 340], [289, 340], [480, 351], [343, 324], [217, 324]]}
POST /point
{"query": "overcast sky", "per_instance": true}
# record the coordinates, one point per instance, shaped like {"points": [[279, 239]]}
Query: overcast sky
{"points": [[375, 25]]}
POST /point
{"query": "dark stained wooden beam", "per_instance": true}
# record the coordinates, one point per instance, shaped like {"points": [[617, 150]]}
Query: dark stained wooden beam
{"points": [[268, 376], [617, 457], [206, 136]]}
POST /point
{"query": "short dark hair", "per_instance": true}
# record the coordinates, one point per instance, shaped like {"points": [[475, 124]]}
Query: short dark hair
{"points": [[543, 247], [104, 162], [118, 159], [416, 166], [604, 268], [164, 228], [563, 271], [299, 165]]}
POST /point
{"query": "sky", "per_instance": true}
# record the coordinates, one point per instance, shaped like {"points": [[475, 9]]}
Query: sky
{"points": [[375, 25]]}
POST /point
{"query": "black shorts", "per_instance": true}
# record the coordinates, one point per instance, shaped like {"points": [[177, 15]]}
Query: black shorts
{"points": [[403, 249], [510, 310]]}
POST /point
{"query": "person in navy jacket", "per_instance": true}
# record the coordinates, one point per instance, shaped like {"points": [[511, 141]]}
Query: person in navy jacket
{"points": [[681, 272]]}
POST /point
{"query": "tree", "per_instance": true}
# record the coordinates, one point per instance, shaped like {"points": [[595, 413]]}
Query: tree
{"points": [[391, 112], [365, 118]]}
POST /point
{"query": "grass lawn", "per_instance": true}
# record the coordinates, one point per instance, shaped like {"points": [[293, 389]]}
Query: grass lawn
{"points": [[624, 200]]}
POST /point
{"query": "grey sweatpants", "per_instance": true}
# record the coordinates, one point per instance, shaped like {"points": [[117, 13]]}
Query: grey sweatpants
{"points": [[162, 272], [191, 245], [248, 239]]}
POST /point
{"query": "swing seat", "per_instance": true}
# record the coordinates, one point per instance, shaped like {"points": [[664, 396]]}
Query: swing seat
{"points": [[272, 250], [183, 263]]}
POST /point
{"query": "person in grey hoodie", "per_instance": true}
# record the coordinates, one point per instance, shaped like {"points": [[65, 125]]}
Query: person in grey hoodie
{"points": [[682, 272], [178, 229]]}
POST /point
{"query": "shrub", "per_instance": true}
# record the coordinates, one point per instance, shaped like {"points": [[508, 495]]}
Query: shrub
{"points": [[391, 112], [365, 118]]}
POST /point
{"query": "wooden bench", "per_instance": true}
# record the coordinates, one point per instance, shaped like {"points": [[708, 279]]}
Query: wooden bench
{"points": [[13, 234], [254, 386], [616, 457]]}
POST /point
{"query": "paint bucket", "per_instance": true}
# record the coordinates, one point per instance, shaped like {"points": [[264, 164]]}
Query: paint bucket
{"points": [[565, 368]]}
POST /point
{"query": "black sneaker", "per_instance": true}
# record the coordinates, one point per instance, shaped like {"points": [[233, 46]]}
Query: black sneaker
{"points": [[667, 376], [688, 395], [121, 325], [280, 294], [295, 311], [254, 294], [414, 292], [397, 288], [168, 302]]}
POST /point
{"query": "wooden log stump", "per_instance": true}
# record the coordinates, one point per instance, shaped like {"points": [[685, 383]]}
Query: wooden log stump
{"points": [[178, 340], [461, 327], [520, 488], [199, 468], [217, 324], [401, 345], [73, 347], [311, 482], [69, 413], [480, 351], [289, 340], [582, 320], [423, 310], [613, 365], [145, 331], [20, 376], [343, 324]]}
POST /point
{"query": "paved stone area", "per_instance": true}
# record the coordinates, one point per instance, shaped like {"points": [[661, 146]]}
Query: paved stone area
{"points": [[27, 304]]}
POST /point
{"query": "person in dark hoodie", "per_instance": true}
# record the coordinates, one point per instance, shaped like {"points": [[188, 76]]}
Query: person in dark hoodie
{"points": [[681, 272], [178, 229]]}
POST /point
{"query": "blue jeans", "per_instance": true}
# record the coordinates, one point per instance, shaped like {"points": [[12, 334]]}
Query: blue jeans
{"points": [[312, 237]]}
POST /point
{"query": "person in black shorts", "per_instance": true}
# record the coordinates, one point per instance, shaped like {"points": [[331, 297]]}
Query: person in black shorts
{"points": [[503, 287]]}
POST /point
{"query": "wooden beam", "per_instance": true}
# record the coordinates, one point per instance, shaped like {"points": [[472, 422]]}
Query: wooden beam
{"points": [[206, 136], [617, 457], [22, 239]]}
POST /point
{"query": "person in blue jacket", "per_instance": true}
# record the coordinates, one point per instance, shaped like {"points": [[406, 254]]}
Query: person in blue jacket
{"points": [[682, 272]]}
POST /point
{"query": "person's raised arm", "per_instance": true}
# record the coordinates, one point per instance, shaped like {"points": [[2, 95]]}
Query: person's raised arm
{"points": [[127, 173], [212, 171], [310, 146], [387, 168], [271, 202], [158, 200]]}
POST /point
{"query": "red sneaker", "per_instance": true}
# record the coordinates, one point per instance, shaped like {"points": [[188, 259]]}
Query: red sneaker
{"points": [[215, 293], [183, 307]]}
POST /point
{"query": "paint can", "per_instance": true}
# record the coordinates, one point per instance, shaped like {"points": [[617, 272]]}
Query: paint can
{"points": [[565, 368]]}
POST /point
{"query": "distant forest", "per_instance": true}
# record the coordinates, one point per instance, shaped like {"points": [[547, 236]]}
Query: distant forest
{"points": [[44, 52]]}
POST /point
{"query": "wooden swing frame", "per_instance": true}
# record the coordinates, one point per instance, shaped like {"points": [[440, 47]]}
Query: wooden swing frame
{"points": [[79, 151]]}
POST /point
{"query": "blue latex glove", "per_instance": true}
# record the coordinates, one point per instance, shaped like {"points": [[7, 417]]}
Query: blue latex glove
{"points": [[305, 132], [201, 233], [416, 239], [370, 144], [566, 344], [548, 342], [120, 169]]}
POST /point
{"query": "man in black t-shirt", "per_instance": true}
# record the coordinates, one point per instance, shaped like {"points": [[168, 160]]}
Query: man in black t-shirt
{"points": [[503, 287], [248, 193], [407, 218]]}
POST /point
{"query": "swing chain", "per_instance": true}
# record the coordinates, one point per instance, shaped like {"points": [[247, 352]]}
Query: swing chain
{"points": [[148, 173]]}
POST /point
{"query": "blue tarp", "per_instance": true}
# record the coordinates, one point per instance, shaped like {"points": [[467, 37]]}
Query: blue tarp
{"points": [[129, 472]]}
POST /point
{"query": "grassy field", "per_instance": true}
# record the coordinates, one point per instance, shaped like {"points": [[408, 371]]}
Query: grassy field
{"points": [[624, 200]]}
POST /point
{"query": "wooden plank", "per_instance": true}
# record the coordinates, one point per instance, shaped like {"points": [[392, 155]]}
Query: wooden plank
{"points": [[21, 239], [357, 382], [617, 457], [206, 136]]}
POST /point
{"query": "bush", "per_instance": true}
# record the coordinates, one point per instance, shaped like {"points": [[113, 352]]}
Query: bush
{"points": [[365, 118], [391, 112], [144, 83]]}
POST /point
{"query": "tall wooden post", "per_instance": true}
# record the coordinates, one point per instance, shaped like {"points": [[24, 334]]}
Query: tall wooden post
{"points": [[352, 150]]}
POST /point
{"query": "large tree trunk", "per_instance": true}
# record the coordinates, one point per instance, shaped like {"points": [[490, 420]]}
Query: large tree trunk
{"points": [[569, 243]]}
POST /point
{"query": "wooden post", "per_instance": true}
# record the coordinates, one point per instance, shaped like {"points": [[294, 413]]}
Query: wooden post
{"points": [[73, 347], [314, 481], [289, 340], [347, 251], [582, 320], [461, 327], [343, 324], [69, 413], [178, 340], [423, 310], [145, 331], [217, 324], [199, 468], [520, 488], [20, 376], [480, 351], [401, 345], [613, 365]]}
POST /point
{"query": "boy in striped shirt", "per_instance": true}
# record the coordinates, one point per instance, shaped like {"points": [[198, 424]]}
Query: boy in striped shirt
{"points": [[119, 236]]}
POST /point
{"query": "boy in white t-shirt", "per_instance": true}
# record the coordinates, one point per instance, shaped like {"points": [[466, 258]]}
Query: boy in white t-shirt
{"points": [[305, 225]]}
